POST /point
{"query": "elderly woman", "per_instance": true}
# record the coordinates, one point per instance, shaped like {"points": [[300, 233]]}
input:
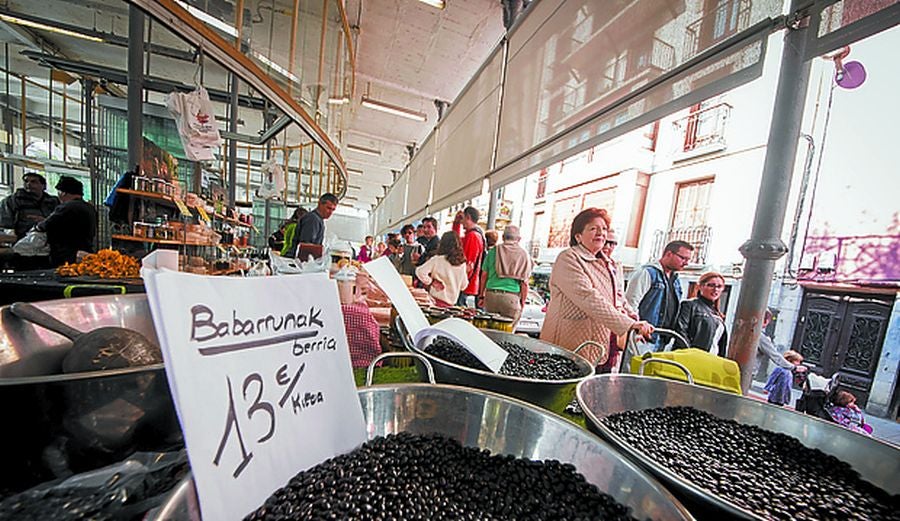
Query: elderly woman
{"points": [[700, 320], [583, 302]]}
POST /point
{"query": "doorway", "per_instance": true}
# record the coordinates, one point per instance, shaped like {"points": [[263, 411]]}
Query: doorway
{"points": [[843, 333]]}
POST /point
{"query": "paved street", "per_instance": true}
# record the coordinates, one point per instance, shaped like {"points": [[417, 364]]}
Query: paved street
{"points": [[884, 430]]}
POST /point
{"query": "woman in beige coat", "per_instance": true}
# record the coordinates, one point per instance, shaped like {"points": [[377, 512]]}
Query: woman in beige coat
{"points": [[583, 301]]}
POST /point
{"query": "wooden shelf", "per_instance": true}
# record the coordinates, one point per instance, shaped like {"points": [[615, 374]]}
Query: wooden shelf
{"points": [[231, 221], [132, 238], [147, 195]]}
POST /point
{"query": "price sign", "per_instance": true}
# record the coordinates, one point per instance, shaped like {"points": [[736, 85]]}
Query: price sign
{"points": [[203, 215], [185, 211], [260, 373]]}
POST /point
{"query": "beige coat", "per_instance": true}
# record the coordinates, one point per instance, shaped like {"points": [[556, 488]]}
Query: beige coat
{"points": [[583, 304]]}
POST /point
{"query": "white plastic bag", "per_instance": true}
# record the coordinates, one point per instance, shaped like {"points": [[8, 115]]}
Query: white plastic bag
{"points": [[34, 244], [272, 180], [196, 121]]}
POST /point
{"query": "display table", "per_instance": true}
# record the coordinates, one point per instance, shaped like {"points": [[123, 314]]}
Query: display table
{"points": [[37, 285]]}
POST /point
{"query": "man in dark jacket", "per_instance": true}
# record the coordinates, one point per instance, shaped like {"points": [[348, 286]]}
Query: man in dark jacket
{"points": [[311, 228], [72, 225], [27, 206]]}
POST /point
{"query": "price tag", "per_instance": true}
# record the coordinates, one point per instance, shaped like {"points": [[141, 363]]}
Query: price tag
{"points": [[185, 211], [260, 373], [203, 215]]}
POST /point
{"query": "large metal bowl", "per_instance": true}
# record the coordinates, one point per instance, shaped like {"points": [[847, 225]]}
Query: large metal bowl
{"points": [[62, 423], [552, 395], [605, 395], [494, 422]]}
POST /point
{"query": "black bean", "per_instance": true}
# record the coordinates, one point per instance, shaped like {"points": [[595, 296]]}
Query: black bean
{"points": [[521, 362], [434, 477], [771, 474]]}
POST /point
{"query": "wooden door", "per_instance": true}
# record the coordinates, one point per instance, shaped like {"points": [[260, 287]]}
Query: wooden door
{"points": [[843, 333]]}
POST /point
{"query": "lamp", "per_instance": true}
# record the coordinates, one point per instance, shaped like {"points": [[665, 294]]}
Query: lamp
{"points": [[354, 171], [44, 27], [434, 3], [338, 100], [393, 109], [208, 19], [275, 67], [363, 150]]}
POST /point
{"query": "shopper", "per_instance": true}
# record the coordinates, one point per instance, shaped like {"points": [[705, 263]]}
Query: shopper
{"points": [[615, 347], [490, 239], [473, 248], [766, 349], [394, 252], [412, 250], [445, 274], [504, 277], [311, 228], [290, 230], [28, 205], [367, 250], [72, 225], [699, 319], [655, 291], [846, 413], [583, 295], [429, 240]]}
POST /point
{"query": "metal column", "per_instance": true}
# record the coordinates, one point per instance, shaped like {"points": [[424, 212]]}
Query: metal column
{"points": [[87, 137], [135, 85], [232, 143], [493, 207], [765, 246]]}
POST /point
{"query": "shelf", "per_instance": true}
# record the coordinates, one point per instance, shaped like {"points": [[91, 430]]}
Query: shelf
{"points": [[132, 238], [231, 221], [147, 195]]}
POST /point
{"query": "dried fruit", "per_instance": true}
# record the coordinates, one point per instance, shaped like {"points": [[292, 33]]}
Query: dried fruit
{"points": [[106, 264]]}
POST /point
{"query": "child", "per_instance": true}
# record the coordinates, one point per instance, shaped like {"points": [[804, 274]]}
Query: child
{"points": [[779, 384], [445, 274], [846, 413]]}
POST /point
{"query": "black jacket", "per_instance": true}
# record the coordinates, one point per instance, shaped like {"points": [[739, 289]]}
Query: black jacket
{"points": [[698, 322], [71, 227], [23, 209]]}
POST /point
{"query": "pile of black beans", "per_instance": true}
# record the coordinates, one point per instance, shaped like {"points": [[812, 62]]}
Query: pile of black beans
{"points": [[768, 473], [521, 362], [407, 476]]}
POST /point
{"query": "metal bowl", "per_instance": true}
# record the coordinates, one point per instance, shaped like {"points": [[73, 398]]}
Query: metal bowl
{"points": [[66, 423], [605, 395], [552, 395], [494, 422]]}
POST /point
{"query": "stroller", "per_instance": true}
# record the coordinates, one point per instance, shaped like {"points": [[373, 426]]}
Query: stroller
{"points": [[818, 393]]}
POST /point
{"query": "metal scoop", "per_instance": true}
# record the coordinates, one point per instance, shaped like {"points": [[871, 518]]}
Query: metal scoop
{"points": [[102, 348]]}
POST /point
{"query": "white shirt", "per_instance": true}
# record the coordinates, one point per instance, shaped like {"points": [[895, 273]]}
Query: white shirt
{"points": [[453, 278]]}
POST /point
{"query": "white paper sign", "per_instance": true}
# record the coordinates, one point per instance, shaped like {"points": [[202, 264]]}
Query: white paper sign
{"points": [[262, 380], [466, 334]]}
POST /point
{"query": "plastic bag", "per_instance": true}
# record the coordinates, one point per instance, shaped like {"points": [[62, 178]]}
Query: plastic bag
{"points": [[272, 180], [195, 118], [34, 244], [124, 490]]}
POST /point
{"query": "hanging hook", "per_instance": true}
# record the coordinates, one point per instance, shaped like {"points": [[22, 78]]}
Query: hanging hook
{"points": [[198, 72]]}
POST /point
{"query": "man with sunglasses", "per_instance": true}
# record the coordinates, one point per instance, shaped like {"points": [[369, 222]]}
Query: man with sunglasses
{"points": [[654, 289]]}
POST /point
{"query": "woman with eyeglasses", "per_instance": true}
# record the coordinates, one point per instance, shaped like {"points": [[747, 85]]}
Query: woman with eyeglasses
{"points": [[699, 319]]}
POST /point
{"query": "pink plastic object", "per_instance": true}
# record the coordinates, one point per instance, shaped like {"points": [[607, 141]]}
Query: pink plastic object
{"points": [[850, 75]]}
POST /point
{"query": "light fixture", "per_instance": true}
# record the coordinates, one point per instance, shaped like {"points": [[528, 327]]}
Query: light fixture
{"points": [[208, 19], [434, 3], [354, 187], [338, 100], [363, 150], [275, 67], [393, 109], [354, 171], [44, 27]]}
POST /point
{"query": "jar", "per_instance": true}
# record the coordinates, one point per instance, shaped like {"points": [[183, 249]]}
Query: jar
{"points": [[482, 321], [501, 323], [140, 229]]}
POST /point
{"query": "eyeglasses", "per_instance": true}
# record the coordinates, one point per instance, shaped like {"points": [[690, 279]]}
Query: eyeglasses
{"points": [[685, 258], [715, 286]]}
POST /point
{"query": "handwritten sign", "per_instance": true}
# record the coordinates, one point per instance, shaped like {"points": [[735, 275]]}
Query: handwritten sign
{"points": [[261, 376]]}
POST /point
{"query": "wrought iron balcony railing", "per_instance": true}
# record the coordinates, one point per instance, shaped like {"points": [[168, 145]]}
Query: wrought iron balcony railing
{"points": [[697, 236]]}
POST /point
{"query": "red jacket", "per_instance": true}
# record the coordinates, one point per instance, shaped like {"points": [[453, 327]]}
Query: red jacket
{"points": [[473, 249]]}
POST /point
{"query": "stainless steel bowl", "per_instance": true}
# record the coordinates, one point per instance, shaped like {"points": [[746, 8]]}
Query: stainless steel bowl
{"points": [[605, 395], [494, 422], [63, 423], [552, 395]]}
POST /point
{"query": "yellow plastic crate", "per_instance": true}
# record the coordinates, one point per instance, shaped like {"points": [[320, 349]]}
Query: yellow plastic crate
{"points": [[707, 369]]}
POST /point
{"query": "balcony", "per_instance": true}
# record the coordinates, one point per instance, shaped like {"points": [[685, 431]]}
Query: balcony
{"points": [[697, 236], [726, 20], [704, 130]]}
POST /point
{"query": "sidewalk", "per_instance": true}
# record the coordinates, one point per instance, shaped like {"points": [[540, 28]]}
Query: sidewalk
{"points": [[884, 430]]}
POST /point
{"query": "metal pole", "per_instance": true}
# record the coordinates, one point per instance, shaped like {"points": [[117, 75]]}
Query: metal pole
{"points": [[232, 144], [493, 206], [135, 85], [267, 213], [87, 136], [765, 246]]}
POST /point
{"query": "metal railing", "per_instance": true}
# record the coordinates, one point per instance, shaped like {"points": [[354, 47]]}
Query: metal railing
{"points": [[725, 20], [697, 236], [704, 128]]}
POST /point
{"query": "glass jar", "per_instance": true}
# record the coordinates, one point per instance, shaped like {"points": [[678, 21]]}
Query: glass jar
{"points": [[501, 323]]}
